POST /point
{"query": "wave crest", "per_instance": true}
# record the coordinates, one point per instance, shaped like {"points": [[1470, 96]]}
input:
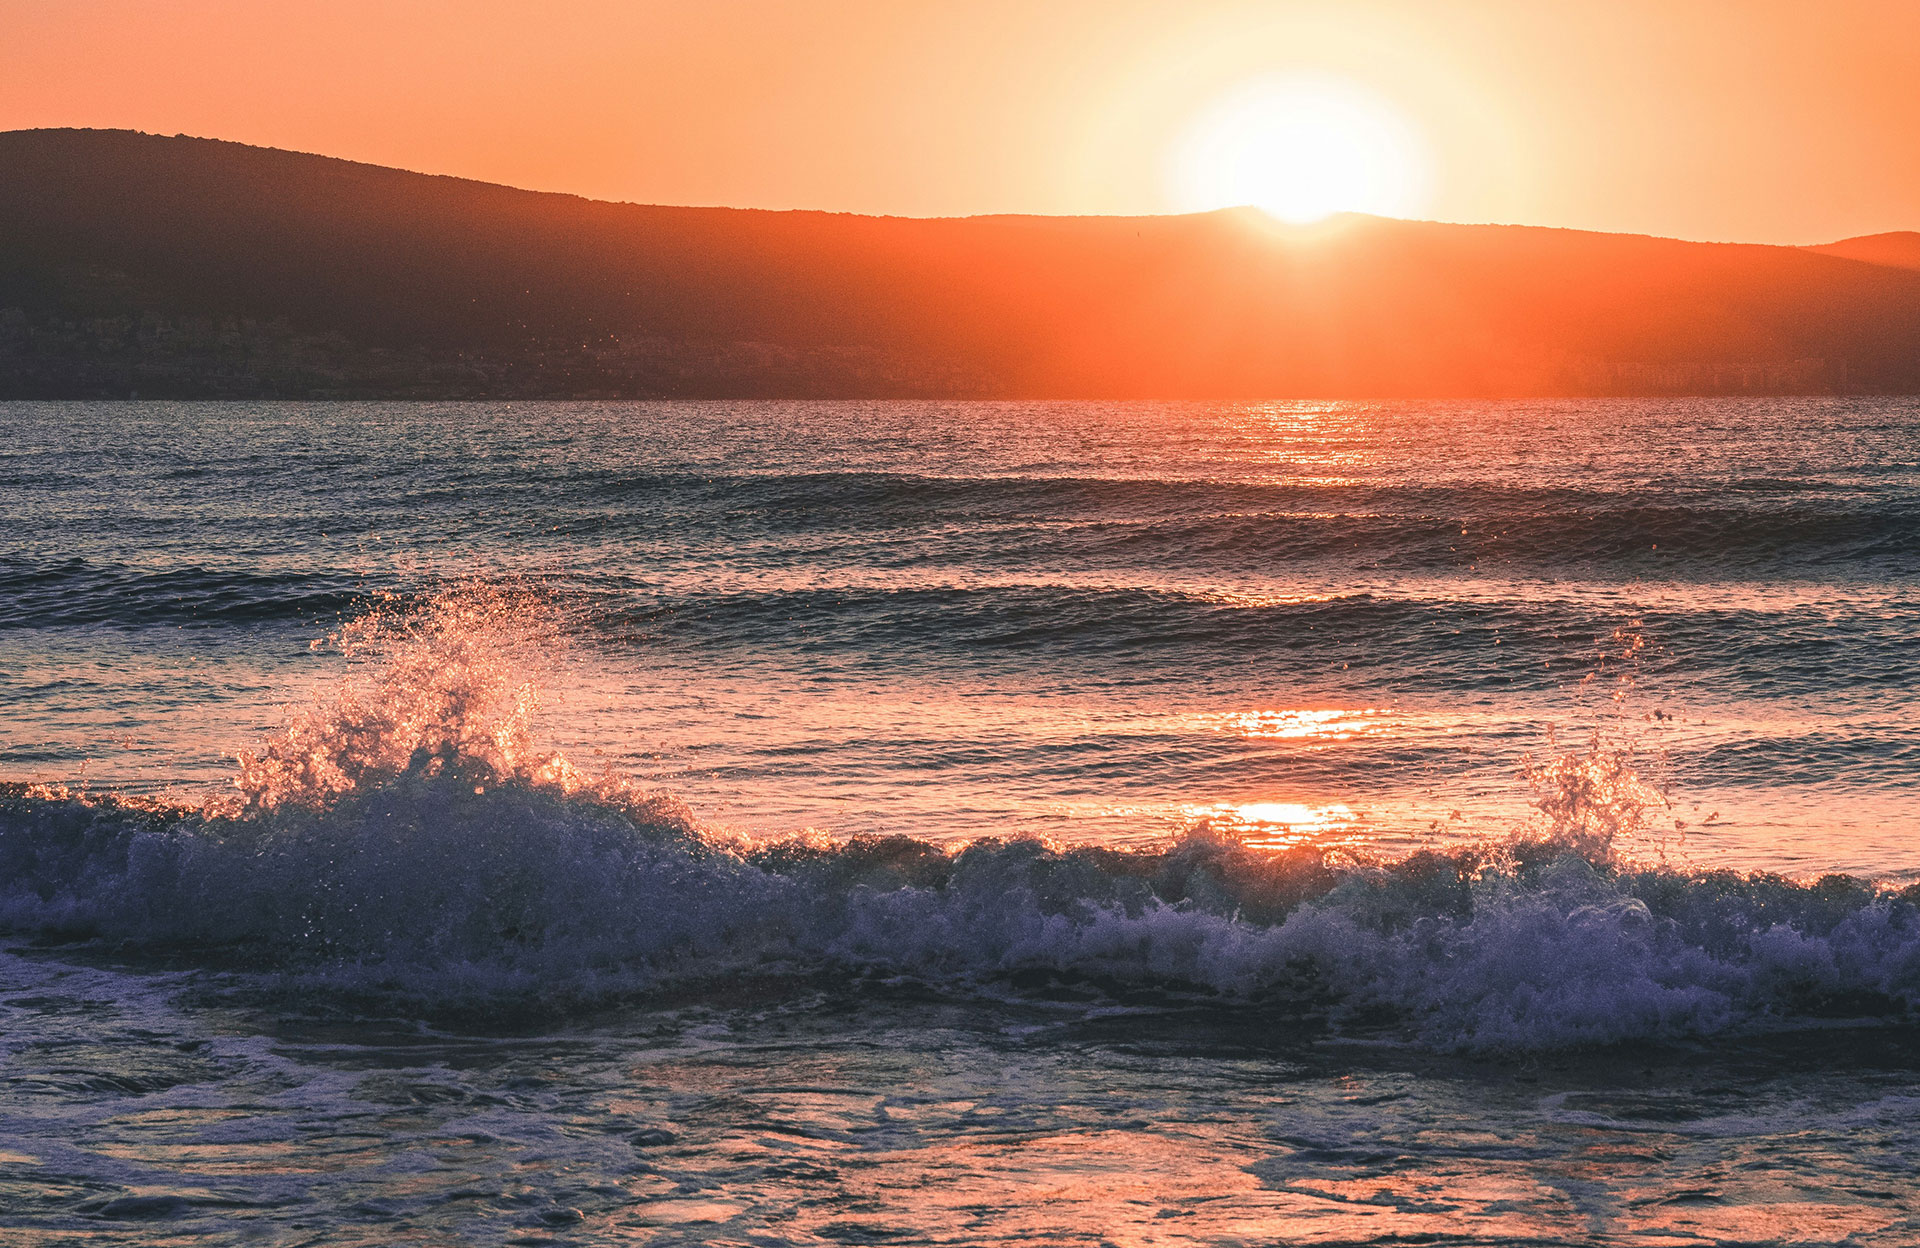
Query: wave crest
{"points": [[407, 837], [435, 896]]}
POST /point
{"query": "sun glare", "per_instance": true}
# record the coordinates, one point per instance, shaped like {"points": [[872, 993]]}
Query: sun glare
{"points": [[1302, 147]]}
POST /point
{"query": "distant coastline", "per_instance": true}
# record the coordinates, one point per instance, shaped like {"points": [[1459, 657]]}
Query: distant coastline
{"points": [[138, 266]]}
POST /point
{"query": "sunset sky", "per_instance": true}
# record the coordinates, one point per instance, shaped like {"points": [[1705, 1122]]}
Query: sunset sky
{"points": [[1751, 121]]}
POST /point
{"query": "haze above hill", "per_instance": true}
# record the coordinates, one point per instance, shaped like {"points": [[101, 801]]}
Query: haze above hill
{"points": [[193, 267]]}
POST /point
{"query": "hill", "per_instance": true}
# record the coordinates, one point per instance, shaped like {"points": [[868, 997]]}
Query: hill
{"points": [[1900, 250], [179, 266]]}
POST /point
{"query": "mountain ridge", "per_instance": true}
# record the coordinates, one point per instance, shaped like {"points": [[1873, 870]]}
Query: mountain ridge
{"points": [[196, 267]]}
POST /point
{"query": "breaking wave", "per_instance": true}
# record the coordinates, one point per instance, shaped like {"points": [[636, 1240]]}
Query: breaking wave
{"points": [[405, 838]]}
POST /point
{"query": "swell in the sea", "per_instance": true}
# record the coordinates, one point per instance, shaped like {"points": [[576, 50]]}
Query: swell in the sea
{"points": [[1436, 635], [404, 840]]}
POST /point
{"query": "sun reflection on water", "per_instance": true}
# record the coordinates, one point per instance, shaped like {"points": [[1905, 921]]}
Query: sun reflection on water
{"points": [[1330, 723], [1278, 824]]}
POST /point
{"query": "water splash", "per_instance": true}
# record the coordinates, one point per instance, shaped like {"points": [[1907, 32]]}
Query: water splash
{"points": [[1588, 801], [1595, 800], [448, 688]]}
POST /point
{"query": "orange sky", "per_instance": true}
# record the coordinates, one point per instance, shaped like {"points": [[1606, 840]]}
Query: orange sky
{"points": [[1748, 120]]}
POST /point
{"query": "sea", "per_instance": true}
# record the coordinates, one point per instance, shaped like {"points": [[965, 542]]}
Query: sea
{"points": [[766, 823]]}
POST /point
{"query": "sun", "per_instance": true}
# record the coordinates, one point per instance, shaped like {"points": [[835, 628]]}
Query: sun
{"points": [[1301, 146]]}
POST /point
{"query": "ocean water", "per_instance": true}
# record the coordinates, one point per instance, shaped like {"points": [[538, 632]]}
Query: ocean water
{"points": [[767, 823]]}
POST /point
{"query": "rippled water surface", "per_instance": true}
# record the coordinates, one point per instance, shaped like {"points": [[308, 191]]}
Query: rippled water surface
{"points": [[854, 823], [1080, 621]]}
